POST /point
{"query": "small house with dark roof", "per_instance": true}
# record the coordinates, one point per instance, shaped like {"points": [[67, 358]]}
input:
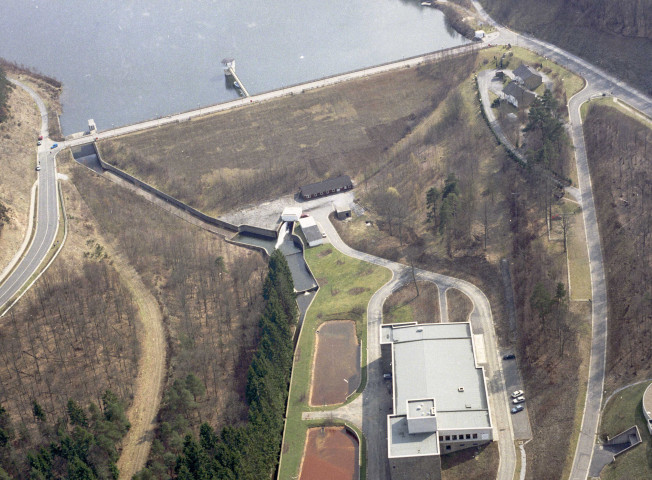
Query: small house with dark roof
{"points": [[528, 77], [517, 95], [327, 187]]}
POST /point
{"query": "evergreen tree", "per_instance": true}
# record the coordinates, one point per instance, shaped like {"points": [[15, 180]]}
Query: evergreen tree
{"points": [[38, 412], [76, 414]]}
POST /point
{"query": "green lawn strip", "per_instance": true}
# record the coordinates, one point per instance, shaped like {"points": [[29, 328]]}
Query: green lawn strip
{"points": [[623, 411], [399, 314], [578, 260], [338, 276]]}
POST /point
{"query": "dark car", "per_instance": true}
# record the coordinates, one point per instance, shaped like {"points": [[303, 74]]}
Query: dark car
{"points": [[509, 356], [517, 408]]}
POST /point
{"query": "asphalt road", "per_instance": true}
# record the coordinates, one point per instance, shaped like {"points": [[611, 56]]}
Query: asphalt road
{"points": [[595, 388], [598, 82], [376, 402], [47, 214]]}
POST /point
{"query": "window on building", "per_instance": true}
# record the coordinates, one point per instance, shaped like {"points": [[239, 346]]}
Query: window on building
{"points": [[461, 444], [468, 436], [448, 437], [441, 438], [475, 435], [448, 447], [454, 437]]}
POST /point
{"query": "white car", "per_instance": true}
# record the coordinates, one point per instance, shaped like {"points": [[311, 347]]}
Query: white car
{"points": [[520, 399], [517, 393]]}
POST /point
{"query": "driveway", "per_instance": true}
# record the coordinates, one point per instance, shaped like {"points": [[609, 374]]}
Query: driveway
{"points": [[376, 398]]}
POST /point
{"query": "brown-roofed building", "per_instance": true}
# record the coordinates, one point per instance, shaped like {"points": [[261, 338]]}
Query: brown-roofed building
{"points": [[327, 187]]}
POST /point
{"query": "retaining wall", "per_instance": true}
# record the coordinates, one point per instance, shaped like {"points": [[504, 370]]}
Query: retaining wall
{"points": [[177, 203]]}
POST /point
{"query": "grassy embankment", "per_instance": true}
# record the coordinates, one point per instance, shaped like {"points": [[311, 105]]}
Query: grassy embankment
{"points": [[249, 155], [623, 411], [346, 285]]}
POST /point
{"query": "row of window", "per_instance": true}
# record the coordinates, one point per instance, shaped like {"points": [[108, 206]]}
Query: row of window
{"points": [[328, 192], [448, 438]]}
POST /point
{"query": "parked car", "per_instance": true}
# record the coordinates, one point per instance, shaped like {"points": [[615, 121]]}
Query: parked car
{"points": [[387, 376], [520, 399], [38, 167], [54, 146], [39, 143], [509, 356], [517, 393], [40, 137], [517, 408]]}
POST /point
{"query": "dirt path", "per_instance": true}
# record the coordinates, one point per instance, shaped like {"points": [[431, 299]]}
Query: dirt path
{"points": [[151, 372]]}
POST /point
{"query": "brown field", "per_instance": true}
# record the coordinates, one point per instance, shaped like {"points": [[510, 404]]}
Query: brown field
{"points": [[261, 151], [18, 136], [459, 305], [404, 305], [331, 453], [210, 314], [619, 149], [336, 369]]}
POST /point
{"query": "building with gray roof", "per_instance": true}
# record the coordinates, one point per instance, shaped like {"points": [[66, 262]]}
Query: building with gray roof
{"points": [[327, 187], [439, 395], [528, 76], [517, 95]]}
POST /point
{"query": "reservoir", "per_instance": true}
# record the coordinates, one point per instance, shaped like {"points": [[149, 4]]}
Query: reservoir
{"points": [[133, 60]]}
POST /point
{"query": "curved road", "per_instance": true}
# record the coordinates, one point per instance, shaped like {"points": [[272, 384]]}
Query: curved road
{"points": [[374, 403], [598, 82], [595, 387], [47, 216]]}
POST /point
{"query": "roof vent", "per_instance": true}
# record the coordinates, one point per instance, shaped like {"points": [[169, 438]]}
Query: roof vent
{"points": [[420, 329], [460, 389], [468, 405]]}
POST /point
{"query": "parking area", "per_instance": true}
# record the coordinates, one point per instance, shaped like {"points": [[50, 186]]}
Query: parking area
{"points": [[513, 382]]}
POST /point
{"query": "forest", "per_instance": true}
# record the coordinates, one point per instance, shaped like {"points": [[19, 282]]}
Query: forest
{"points": [[620, 150], [248, 450]]}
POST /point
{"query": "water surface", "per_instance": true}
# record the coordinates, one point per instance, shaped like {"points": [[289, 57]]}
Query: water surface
{"points": [[126, 61]]}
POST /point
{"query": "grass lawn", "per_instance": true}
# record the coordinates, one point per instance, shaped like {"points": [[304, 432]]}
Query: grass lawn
{"points": [[346, 285], [620, 413], [617, 104], [572, 82], [578, 259]]}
